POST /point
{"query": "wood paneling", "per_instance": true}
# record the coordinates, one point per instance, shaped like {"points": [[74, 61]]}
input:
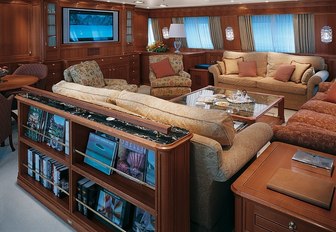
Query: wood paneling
{"points": [[140, 30], [320, 21], [231, 21]]}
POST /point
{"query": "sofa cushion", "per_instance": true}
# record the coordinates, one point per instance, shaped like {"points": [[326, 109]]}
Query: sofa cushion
{"points": [[215, 124], [221, 67], [231, 65], [320, 107], [162, 68], [259, 57], [307, 75], [300, 68], [331, 94], [87, 73], [270, 83], [239, 81], [247, 68], [284, 72]]}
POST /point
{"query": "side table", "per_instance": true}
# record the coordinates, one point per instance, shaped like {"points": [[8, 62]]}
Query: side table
{"points": [[200, 78], [260, 209]]}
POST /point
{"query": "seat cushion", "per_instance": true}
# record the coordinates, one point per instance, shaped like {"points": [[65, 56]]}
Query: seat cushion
{"points": [[87, 73], [320, 107], [171, 81], [128, 87], [331, 94], [270, 83], [215, 124], [168, 92], [239, 81]]}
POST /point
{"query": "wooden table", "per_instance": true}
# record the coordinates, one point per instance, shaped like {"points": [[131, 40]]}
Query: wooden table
{"points": [[10, 82], [260, 209]]}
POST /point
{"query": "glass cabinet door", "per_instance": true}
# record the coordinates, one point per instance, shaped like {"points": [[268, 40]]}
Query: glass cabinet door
{"points": [[129, 34], [51, 25]]}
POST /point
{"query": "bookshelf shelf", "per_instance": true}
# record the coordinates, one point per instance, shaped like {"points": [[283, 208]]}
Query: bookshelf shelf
{"points": [[167, 202]]}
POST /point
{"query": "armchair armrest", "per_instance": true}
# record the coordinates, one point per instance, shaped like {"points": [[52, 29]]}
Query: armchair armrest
{"points": [[183, 73], [314, 81], [215, 72]]}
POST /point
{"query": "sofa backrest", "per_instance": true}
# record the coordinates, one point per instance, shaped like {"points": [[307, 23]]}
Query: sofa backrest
{"points": [[215, 124], [274, 59], [259, 57]]}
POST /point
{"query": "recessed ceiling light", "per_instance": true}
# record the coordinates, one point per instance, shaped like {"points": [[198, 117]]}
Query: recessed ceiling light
{"points": [[139, 2]]}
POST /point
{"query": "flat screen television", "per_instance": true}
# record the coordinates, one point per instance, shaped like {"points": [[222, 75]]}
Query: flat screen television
{"points": [[86, 25]]}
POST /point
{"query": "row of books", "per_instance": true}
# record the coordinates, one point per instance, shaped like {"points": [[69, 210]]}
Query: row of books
{"points": [[112, 207], [51, 174], [49, 128], [104, 151]]}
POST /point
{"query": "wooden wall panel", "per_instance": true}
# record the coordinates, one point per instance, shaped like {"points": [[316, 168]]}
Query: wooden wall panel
{"points": [[320, 21], [231, 21], [140, 29]]}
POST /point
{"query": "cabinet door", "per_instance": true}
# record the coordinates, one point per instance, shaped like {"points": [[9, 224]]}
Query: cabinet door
{"points": [[51, 34], [134, 67], [55, 74]]}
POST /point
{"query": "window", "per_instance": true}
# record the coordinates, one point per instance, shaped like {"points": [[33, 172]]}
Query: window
{"points": [[198, 32], [151, 39], [274, 33]]}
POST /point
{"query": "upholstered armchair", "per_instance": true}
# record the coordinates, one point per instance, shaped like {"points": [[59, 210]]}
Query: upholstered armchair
{"points": [[88, 73], [6, 120], [167, 77]]}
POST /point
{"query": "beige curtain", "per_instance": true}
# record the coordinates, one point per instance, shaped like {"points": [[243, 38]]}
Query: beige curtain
{"points": [[304, 33], [216, 32], [156, 30], [181, 21], [246, 35]]}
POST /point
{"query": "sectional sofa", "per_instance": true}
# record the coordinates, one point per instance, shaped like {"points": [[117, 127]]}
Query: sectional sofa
{"points": [[218, 154], [309, 71]]}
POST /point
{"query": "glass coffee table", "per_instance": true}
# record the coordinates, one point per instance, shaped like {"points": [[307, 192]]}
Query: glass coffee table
{"points": [[248, 107]]}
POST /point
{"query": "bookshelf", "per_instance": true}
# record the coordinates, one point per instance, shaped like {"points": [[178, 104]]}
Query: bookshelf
{"points": [[167, 201]]}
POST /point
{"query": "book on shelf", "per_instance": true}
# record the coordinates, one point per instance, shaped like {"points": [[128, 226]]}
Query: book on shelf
{"points": [[34, 122], [102, 149], [46, 171], [113, 208], [62, 181], [131, 159], [37, 166], [88, 196], [31, 162], [143, 221], [55, 132], [67, 138], [80, 183], [150, 168]]}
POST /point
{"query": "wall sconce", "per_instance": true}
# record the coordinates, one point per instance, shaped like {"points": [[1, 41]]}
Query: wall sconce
{"points": [[165, 33], [326, 34], [229, 34]]}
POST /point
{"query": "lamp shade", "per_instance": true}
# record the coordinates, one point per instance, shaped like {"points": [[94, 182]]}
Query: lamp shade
{"points": [[176, 31]]}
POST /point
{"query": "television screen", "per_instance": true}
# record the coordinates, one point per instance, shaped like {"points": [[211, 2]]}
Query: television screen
{"points": [[82, 25]]}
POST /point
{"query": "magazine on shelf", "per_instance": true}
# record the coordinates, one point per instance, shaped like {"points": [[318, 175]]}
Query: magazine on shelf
{"points": [[113, 208], [131, 159], [88, 195], [55, 132], [101, 149], [143, 221], [34, 122], [150, 168]]}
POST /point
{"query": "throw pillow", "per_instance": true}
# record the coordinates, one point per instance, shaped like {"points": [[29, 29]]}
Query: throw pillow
{"points": [[162, 68], [247, 68], [284, 72], [221, 67], [231, 65], [87, 73], [300, 68], [331, 94], [307, 75]]}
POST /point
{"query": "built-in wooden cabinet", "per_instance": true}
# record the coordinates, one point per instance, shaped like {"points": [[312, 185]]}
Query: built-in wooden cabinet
{"points": [[51, 30], [55, 73], [167, 200]]}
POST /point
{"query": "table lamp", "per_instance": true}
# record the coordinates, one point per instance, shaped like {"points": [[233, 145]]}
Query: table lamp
{"points": [[177, 31]]}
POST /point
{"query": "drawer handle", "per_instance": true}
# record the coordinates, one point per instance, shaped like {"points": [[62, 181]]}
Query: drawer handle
{"points": [[291, 226]]}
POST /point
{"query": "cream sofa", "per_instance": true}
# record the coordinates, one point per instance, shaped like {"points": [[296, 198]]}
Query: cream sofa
{"points": [[218, 154], [267, 64]]}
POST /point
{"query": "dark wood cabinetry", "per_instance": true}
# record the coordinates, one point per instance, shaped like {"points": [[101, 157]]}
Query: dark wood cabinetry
{"points": [[55, 73], [167, 201], [200, 78]]}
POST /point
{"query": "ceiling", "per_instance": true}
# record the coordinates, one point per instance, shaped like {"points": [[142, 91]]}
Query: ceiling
{"points": [[155, 4]]}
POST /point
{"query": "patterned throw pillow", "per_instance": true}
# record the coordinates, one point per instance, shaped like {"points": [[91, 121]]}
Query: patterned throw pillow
{"points": [[231, 65], [300, 68], [87, 73], [284, 72], [307, 75]]}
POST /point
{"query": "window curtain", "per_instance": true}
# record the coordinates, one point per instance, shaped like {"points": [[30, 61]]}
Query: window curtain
{"points": [[181, 21], [216, 32], [246, 33], [273, 33], [304, 33], [156, 29], [198, 32]]}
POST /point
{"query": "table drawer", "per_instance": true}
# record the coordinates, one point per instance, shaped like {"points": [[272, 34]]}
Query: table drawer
{"points": [[262, 218]]}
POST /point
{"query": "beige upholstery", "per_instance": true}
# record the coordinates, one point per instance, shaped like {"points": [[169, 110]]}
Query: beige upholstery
{"points": [[267, 64], [171, 86], [213, 167]]}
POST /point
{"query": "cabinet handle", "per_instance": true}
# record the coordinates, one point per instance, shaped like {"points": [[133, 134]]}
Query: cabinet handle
{"points": [[53, 64], [120, 58], [291, 226], [53, 74]]}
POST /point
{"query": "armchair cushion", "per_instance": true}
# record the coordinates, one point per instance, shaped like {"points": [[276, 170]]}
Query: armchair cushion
{"points": [[162, 68], [171, 81], [169, 92]]}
